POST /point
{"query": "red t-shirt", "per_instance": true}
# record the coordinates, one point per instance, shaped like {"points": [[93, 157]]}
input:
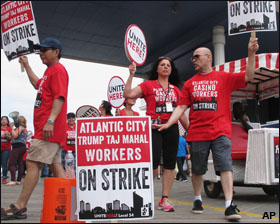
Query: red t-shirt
{"points": [[155, 97], [69, 143], [123, 113], [208, 97], [53, 85], [5, 143]]}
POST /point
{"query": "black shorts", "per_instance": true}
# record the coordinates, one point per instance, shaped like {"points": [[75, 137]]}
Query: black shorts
{"points": [[165, 142], [221, 150]]}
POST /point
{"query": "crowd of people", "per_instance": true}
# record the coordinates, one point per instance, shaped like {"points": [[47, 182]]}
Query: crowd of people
{"points": [[54, 129]]}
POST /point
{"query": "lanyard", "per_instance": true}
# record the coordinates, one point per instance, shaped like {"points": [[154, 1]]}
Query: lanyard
{"points": [[164, 100], [164, 91]]}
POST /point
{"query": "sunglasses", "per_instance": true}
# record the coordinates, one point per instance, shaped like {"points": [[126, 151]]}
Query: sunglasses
{"points": [[45, 49], [196, 56]]}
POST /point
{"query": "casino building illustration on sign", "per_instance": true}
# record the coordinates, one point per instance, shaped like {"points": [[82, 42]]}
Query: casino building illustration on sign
{"points": [[116, 209], [253, 25]]}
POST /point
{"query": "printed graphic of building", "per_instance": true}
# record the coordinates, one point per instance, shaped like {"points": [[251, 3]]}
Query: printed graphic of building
{"points": [[253, 25], [87, 206], [21, 50], [124, 207], [117, 209], [116, 205], [82, 205], [109, 206]]}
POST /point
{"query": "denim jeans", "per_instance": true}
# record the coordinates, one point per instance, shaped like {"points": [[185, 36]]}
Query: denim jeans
{"points": [[4, 162], [45, 171]]}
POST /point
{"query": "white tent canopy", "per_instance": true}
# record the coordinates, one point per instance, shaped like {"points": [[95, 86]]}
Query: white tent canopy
{"points": [[266, 81]]}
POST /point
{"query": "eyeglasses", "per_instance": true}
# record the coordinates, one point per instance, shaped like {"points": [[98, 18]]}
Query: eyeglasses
{"points": [[196, 56], [45, 49]]}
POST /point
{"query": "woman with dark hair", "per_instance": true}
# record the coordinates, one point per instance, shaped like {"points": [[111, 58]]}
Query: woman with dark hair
{"points": [[127, 110], [105, 109], [19, 136], [5, 146], [174, 76], [161, 93]]}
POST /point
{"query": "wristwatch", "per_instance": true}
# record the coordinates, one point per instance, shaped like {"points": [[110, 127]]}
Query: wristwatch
{"points": [[50, 121]]}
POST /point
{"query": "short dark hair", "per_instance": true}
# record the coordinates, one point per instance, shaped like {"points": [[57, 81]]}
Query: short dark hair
{"points": [[71, 114]]}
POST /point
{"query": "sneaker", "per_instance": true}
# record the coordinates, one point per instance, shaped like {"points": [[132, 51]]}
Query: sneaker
{"points": [[160, 204], [184, 180], [231, 214], [165, 205], [197, 207], [4, 181]]}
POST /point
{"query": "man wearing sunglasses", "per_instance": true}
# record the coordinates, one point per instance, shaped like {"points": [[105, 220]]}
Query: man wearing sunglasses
{"points": [[50, 111], [208, 96]]}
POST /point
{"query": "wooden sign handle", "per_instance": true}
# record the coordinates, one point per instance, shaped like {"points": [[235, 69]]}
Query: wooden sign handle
{"points": [[21, 67]]}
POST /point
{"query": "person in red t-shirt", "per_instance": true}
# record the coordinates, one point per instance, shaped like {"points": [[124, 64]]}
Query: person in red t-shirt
{"points": [[49, 122], [162, 95], [5, 146], [105, 109], [208, 96], [69, 143], [127, 111]]}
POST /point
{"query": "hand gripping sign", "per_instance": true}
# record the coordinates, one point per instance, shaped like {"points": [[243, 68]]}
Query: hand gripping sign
{"points": [[87, 111], [135, 45], [115, 92]]}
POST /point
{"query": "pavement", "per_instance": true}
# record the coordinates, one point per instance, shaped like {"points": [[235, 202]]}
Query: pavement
{"points": [[254, 204]]}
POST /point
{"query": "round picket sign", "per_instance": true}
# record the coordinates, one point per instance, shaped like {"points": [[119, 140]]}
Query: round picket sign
{"points": [[115, 92], [135, 45], [87, 111]]}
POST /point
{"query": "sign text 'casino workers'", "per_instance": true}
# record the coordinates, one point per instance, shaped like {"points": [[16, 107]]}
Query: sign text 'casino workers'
{"points": [[135, 45], [114, 168], [248, 16], [19, 32]]}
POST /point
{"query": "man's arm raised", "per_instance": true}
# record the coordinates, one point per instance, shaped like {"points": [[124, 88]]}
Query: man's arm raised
{"points": [[253, 46]]}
